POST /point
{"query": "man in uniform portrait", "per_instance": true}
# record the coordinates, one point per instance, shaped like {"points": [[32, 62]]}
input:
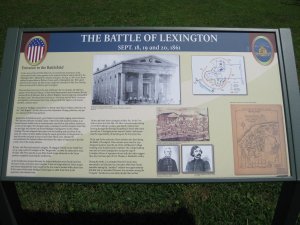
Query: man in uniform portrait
{"points": [[167, 164], [197, 164]]}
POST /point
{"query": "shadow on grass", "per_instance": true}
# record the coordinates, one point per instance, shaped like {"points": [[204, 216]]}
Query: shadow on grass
{"points": [[81, 218]]}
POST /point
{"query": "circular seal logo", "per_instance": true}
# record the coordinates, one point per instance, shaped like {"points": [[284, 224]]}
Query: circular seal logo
{"points": [[262, 50], [35, 50]]}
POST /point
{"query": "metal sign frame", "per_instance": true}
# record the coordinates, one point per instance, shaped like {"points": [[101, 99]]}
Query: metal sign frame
{"points": [[289, 84]]}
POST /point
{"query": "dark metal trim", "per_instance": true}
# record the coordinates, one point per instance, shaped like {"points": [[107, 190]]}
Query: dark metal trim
{"points": [[293, 95], [7, 75], [150, 180]]}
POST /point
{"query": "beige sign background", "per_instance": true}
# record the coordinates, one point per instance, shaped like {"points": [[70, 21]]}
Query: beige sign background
{"points": [[58, 132]]}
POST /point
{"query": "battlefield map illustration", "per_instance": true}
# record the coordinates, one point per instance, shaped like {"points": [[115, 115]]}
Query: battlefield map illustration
{"points": [[182, 124], [219, 75], [259, 140]]}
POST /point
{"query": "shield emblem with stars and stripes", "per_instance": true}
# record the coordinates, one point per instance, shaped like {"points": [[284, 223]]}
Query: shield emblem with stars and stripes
{"points": [[35, 50]]}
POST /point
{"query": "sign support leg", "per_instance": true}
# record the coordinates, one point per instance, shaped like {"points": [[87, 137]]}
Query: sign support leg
{"points": [[9, 204], [288, 205]]}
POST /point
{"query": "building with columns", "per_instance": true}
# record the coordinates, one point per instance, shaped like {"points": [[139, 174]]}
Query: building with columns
{"points": [[143, 80]]}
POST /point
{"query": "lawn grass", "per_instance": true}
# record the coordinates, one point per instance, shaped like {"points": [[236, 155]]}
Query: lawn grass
{"points": [[234, 203]]}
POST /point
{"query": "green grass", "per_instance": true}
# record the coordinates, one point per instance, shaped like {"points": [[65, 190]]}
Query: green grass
{"points": [[234, 203], [207, 203]]}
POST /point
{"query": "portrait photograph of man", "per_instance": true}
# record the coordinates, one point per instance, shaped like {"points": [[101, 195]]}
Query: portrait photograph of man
{"points": [[168, 159], [197, 159]]}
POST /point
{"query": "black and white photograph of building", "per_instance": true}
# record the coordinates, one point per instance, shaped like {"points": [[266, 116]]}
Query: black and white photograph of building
{"points": [[136, 79]]}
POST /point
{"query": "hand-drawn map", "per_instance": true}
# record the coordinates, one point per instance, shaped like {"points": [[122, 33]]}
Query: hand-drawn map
{"points": [[259, 140], [219, 75], [182, 124]]}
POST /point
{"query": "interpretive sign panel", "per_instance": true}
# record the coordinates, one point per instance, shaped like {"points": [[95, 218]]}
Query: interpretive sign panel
{"points": [[157, 105]]}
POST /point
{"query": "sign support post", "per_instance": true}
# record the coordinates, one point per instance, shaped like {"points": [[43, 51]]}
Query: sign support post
{"points": [[9, 204], [288, 206]]}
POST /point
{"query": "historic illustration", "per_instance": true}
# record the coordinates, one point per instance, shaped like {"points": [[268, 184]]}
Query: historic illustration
{"points": [[219, 75], [136, 79], [197, 158], [182, 124], [259, 140], [168, 159]]}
